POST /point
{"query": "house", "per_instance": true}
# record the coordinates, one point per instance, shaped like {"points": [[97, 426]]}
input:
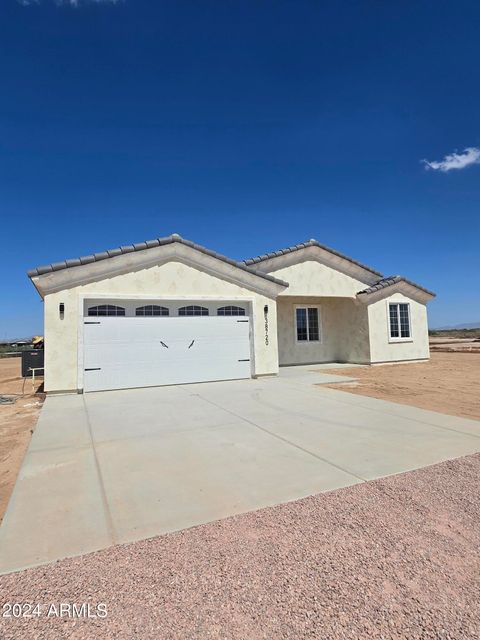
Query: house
{"points": [[169, 311]]}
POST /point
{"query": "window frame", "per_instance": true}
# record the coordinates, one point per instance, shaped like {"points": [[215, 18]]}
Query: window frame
{"points": [[320, 327], [193, 315], [152, 315], [108, 307], [399, 338], [231, 307]]}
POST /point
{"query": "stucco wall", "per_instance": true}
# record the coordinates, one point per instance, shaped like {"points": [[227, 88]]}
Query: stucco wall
{"points": [[292, 352], [170, 280], [312, 278], [352, 332], [344, 332], [382, 350]]}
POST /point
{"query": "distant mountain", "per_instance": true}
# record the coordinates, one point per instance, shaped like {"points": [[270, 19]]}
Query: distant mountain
{"points": [[465, 325]]}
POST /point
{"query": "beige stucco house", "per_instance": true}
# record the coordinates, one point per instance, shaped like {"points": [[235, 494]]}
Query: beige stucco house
{"points": [[169, 311]]}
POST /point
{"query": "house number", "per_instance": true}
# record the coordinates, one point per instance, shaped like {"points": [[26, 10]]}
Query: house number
{"points": [[265, 313]]}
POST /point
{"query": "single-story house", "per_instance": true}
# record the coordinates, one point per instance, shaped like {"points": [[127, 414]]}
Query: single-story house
{"points": [[169, 311]]}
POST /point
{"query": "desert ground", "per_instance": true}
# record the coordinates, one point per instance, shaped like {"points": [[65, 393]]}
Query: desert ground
{"points": [[392, 558], [449, 382], [395, 558], [449, 344], [17, 422]]}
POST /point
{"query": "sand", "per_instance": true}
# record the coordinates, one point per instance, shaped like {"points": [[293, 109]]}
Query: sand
{"points": [[17, 422], [448, 383]]}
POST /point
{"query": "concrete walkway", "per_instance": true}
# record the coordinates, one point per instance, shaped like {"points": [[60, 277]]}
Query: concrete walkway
{"points": [[118, 466]]}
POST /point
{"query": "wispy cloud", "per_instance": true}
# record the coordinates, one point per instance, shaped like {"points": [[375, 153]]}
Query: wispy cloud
{"points": [[71, 3], [470, 155]]}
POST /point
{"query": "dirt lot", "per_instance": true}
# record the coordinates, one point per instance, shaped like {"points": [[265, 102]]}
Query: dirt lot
{"points": [[449, 383], [17, 422], [455, 344], [395, 559]]}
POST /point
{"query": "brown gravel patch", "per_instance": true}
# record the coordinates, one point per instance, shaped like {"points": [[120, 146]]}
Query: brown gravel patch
{"points": [[449, 383], [392, 558], [17, 422]]}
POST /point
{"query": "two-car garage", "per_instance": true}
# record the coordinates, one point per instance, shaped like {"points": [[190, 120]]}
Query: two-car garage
{"points": [[161, 312], [139, 343]]}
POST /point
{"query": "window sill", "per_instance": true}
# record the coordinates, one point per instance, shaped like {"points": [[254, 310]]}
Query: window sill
{"points": [[399, 340]]}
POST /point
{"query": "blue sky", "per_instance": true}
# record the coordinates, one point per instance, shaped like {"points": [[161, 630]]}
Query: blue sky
{"points": [[245, 126]]}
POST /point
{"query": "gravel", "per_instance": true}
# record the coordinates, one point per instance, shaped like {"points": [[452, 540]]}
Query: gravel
{"points": [[392, 558]]}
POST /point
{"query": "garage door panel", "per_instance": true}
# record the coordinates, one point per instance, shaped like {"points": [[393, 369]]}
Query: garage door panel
{"points": [[123, 352]]}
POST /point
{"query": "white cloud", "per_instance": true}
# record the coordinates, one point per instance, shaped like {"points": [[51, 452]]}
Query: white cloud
{"points": [[470, 155]]}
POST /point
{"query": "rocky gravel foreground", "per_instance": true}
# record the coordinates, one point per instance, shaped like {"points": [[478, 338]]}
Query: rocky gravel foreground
{"points": [[393, 558]]}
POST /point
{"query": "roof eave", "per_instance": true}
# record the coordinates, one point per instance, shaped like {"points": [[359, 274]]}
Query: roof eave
{"points": [[141, 246], [397, 284], [70, 273], [304, 245]]}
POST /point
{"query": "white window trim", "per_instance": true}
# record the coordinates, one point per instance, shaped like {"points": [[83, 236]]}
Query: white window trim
{"points": [[320, 328], [399, 339]]}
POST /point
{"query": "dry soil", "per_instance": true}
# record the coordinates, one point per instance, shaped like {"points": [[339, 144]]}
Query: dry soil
{"points": [[449, 383], [17, 422], [447, 345]]}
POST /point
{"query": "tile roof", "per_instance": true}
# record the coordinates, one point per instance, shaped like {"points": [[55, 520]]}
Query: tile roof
{"points": [[303, 245], [388, 282], [148, 244]]}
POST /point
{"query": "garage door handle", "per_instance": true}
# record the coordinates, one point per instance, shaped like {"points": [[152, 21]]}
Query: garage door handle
{"points": [[164, 345], [191, 344]]}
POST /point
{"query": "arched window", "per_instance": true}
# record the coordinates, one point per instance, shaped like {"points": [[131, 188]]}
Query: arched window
{"points": [[230, 310], [193, 310], [152, 310], [106, 310]]}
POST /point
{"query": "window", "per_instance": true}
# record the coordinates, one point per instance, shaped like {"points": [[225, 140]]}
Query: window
{"points": [[230, 310], [307, 324], [399, 320], [193, 310], [106, 310], [151, 310]]}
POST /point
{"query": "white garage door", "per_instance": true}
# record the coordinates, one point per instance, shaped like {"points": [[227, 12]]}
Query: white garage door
{"points": [[120, 353]]}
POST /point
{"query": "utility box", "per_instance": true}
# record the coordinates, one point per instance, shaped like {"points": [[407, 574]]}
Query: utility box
{"points": [[32, 359]]}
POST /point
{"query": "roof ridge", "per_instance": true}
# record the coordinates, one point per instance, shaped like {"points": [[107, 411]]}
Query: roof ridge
{"points": [[303, 245], [147, 244]]}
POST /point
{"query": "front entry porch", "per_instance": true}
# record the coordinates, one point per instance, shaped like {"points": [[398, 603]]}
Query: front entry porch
{"points": [[322, 329]]}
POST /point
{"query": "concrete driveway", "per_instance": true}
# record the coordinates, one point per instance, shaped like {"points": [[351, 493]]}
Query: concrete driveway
{"points": [[105, 468]]}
